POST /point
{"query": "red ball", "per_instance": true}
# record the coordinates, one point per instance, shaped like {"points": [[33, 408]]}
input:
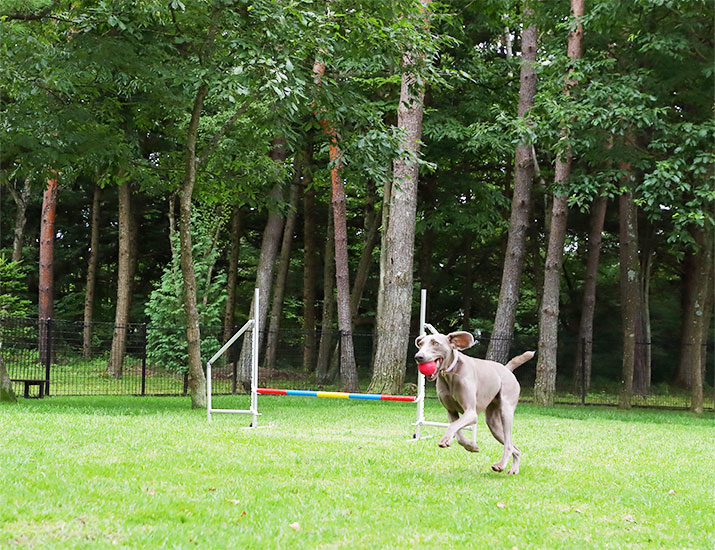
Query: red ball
{"points": [[427, 368]]}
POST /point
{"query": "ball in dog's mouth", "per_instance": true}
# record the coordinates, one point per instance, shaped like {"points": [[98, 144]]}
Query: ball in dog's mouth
{"points": [[429, 368]]}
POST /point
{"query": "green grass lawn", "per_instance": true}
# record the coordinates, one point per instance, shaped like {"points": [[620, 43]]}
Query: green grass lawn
{"points": [[105, 472]]}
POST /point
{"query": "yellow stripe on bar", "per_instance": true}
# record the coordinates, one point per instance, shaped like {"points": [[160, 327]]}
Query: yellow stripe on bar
{"points": [[334, 394]]}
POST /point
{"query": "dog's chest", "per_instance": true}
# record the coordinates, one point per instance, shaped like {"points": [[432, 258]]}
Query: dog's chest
{"points": [[448, 392]]}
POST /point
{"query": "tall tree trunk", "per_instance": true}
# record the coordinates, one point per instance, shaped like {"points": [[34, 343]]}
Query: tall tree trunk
{"points": [[395, 295], [647, 259], [264, 273], [279, 287], [545, 384], [91, 273], [348, 369], [688, 284], [630, 293], [326, 325], [124, 282], [196, 378], [232, 277], [503, 332], [20, 197], [46, 275], [361, 275], [694, 314], [584, 347], [310, 262]]}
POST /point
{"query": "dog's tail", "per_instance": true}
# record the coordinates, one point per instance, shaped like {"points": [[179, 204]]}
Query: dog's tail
{"points": [[519, 360]]}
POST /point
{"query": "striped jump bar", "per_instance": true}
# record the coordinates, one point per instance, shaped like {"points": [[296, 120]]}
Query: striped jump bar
{"points": [[337, 394]]}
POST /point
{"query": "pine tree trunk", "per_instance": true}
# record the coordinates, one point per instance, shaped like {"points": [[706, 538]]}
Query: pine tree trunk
{"points": [[279, 287], [232, 277], [503, 331], [326, 325], [264, 273], [196, 377], [588, 302], [630, 294], [20, 197], [348, 369], [395, 295], [124, 283], [91, 273], [545, 384], [46, 274], [310, 263]]}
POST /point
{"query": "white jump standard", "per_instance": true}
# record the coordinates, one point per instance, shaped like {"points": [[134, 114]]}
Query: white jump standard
{"points": [[419, 400]]}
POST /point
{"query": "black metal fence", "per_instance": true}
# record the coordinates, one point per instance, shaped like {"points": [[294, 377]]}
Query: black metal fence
{"points": [[141, 359]]}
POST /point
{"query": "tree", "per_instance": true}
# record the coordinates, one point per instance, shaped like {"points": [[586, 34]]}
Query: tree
{"points": [[20, 196], [46, 284], [279, 288], [545, 384], [503, 331], [91, 279], [348, 369], [125, 275], [394, 309]]}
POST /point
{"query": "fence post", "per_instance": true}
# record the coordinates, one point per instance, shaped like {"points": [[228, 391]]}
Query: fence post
{"points": [[235, 353], [583, 371], [143, 358]]}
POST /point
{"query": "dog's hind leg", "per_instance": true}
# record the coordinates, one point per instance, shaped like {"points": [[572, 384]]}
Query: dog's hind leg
{"points": [[499, 422]]}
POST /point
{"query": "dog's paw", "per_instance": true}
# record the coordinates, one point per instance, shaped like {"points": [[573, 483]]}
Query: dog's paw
{"points": [[446, 441], [471, 447], [497, 467], [513, 471]]}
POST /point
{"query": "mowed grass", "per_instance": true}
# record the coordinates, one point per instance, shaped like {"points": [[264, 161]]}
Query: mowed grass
{"points": [[132, 472]]}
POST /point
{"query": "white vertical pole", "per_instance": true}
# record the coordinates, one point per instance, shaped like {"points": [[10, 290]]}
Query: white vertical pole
{"points": [[420, 376], [208, 390], [254, 359]]}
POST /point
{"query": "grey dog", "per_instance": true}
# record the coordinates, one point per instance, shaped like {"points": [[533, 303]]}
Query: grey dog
{"points": [[467, 386]]}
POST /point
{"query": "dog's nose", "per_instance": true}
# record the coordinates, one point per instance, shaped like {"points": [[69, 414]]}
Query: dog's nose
{"points": [[419, 357]]}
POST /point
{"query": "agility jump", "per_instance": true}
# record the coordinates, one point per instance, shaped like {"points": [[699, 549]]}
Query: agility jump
{"points": [[419, 399]]}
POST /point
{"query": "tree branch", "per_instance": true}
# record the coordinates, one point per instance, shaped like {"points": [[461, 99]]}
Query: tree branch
{"points": [[211, 147]]}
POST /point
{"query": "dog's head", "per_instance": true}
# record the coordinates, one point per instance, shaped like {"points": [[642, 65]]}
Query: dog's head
{"points": [[440, 348]]}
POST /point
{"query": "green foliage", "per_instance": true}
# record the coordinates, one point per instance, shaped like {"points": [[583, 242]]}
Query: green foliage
{"points": [[12, 287], [166, 334]]}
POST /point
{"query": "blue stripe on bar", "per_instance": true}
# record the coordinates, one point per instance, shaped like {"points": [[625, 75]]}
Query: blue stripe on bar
{"points": [[304, 393], [374, 396]]}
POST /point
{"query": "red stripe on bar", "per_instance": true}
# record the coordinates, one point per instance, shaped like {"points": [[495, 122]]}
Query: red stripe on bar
{"points": [[410, 398], [271, 391]]}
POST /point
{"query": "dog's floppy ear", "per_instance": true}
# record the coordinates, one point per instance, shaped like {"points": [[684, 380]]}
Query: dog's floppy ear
{"points": [[418, 340], [461, 340]]}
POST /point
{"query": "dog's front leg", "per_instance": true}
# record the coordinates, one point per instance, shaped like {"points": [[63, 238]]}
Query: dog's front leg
{"points": [[467, 419]]}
